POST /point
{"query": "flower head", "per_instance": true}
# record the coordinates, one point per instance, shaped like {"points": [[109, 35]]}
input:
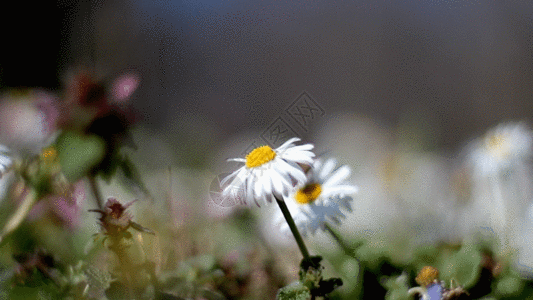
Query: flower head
{"points": [[114, 218], [268, 172], [501, 148], [64, 208], [432, 289], [320, 199], [427, 276], [27, 120]]}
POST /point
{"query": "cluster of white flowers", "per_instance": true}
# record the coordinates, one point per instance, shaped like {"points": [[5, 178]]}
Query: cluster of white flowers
{"points": [[314, 192], [501, 180], [318, 192]]}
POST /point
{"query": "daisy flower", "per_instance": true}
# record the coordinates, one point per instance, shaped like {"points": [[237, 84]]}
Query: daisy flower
{"points": [[268, 172], [501, 177], [501, 148], [320, 199]]}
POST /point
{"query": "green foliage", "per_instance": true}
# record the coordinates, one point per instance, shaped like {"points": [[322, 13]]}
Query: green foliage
{"points": [[99, 281], [193, 278], [510, 285], [397, 287], [463, 266], [294, 291], [311, 282], [79, 153]]}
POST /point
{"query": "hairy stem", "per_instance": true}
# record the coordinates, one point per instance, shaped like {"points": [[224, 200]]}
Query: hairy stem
{"points": [[96, 192], [293, 227]]}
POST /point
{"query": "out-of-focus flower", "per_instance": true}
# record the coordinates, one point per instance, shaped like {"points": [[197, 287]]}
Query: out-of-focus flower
{"points": [[115, 220], [5, 165], [5, 160], [268, 172], [27, 120], [320, 198], [501, 148], [124, 86], [92, 108], [501, 179], [87, 98], [432, 289], [65, 208]]}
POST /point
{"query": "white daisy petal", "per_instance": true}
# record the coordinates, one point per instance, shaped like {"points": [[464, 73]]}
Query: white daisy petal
{"points": [[329, 165], [237, 159], [304, 157], [268, 175], [294, 170], [232, 175], [249, 190], [340, 190], [330, 202], [317, 165], [288, 143], [305, 147], [257, 190], [338, 176]]}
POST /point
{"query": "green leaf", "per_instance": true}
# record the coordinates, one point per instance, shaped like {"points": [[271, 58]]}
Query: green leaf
{"points": [[131, 174], [397, 288], [510, 286], [294, 291], [79, 153], [463, 266]]}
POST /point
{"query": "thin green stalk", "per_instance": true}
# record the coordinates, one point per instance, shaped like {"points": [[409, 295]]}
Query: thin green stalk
{"points": [[342, 243], [30, 197], [350, 251], [125, 264], [96, 192], [293, 227]]}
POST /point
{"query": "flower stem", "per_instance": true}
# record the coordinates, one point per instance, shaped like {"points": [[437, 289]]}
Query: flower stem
{"points": [[342, 243], [30, 197], [96, 192], [293, 227]]}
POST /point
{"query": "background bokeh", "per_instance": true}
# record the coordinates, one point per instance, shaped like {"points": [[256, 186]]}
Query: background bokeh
{"points": [[213, 69], [398, 90]]}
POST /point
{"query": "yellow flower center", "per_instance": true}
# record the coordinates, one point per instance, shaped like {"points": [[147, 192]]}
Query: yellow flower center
{"points": [[427, 275], [49, 154], [498, 145], [308, 193], [259, 156]]}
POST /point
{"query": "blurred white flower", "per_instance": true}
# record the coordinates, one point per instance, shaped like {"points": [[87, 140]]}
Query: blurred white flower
{"points": [[5, 160], [502, 148], [320, 199], [268, 172], [27, 120], [501, 178], [5, 165]]}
